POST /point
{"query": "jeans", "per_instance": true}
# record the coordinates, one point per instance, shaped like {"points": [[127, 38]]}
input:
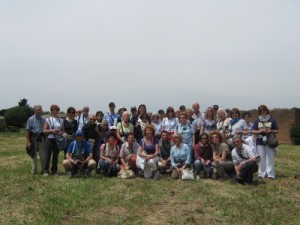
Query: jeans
{"points": [[206, 169], [247, 172], [105, 169]]}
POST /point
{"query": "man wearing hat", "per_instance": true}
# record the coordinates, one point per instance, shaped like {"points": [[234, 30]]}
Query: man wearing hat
{"points": [[79, 156], [111, 116]]}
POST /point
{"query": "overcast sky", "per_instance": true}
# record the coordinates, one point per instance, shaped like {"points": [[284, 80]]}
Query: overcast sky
{"points": [[160, 53]]}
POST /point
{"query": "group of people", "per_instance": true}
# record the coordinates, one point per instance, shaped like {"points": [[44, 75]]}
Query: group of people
{"points": [[216, 143]]}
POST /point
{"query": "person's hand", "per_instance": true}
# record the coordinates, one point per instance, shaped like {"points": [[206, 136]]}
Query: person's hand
{"points": [[110, 161], [29, 145], [203, 162], [128, 157]]}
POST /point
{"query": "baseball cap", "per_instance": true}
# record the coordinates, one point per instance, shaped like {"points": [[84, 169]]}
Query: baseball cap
{"points": [[79, 133], [215, 107]]}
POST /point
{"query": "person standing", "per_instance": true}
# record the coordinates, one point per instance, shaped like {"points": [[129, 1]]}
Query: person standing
{"points": [[263, 126], [111, 117], [52, 127], [83, 118], [36, 138]]}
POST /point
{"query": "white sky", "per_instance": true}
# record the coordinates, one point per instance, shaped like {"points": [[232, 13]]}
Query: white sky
{"points": [[160, 53]]}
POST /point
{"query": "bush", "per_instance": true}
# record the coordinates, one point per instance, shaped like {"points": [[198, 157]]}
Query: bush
{"points": [[295, 133], [17, 116]]}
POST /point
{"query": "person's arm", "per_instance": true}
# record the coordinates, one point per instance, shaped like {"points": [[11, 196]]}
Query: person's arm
{"points": [[47, 129]]}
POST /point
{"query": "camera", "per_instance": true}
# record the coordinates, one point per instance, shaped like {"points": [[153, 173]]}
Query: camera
{"points": [[264, 139]]}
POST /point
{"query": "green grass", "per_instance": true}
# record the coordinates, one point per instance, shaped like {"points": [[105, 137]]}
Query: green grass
{"points": [[33, 199]]}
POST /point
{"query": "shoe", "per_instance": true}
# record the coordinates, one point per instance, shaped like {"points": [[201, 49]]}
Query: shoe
{"points": [[70, 174], [198, 177], [156, 176], [214, 174], [45, 174]]}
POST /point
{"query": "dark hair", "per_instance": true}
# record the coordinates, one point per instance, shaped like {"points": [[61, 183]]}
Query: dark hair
{"points": [[111, 134], [70, 109], [204, 134], [247, 113], [99, 112]]}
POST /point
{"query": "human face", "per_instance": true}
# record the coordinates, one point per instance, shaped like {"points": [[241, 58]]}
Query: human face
{"points": [[177, 141], [99, 117], [247, 118], [204, 139], [164, 136], [111, 140], [235, 114], [263, 111], [196, 108], [85, 111], [221, 115], [104, 126], [182, 119], [237, 143], [54, 111], [130, 139], [170, 114], [215, 139], [79, 138], [38, 111], [149, 132], [155, 119], [92, 119], [125, 117]]}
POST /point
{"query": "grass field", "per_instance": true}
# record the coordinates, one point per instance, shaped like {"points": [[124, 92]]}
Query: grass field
{"points": [[33, 199]]}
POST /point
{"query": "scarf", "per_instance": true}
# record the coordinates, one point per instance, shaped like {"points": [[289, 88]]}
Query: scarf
{"points": [[265, 118], [234, 121]]}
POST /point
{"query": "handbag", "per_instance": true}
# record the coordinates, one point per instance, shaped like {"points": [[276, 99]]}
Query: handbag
{"points": [[126, 174], [272, 140], [61, 142], [187, 174], [140, 162]]}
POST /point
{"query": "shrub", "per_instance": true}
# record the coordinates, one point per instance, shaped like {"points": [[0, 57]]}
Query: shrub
{"points": [[17, 116], [295, 133]]}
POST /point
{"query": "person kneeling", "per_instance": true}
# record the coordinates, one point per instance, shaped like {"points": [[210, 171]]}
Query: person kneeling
{"points": [[79, 157], [244, 161]]}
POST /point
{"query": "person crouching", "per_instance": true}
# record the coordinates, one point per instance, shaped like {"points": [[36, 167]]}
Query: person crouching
{"points": [[79, 156]]}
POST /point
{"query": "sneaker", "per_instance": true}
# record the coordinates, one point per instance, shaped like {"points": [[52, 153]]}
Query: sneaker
{"points": [[70, 174], [156, 176], [45, 174]]}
